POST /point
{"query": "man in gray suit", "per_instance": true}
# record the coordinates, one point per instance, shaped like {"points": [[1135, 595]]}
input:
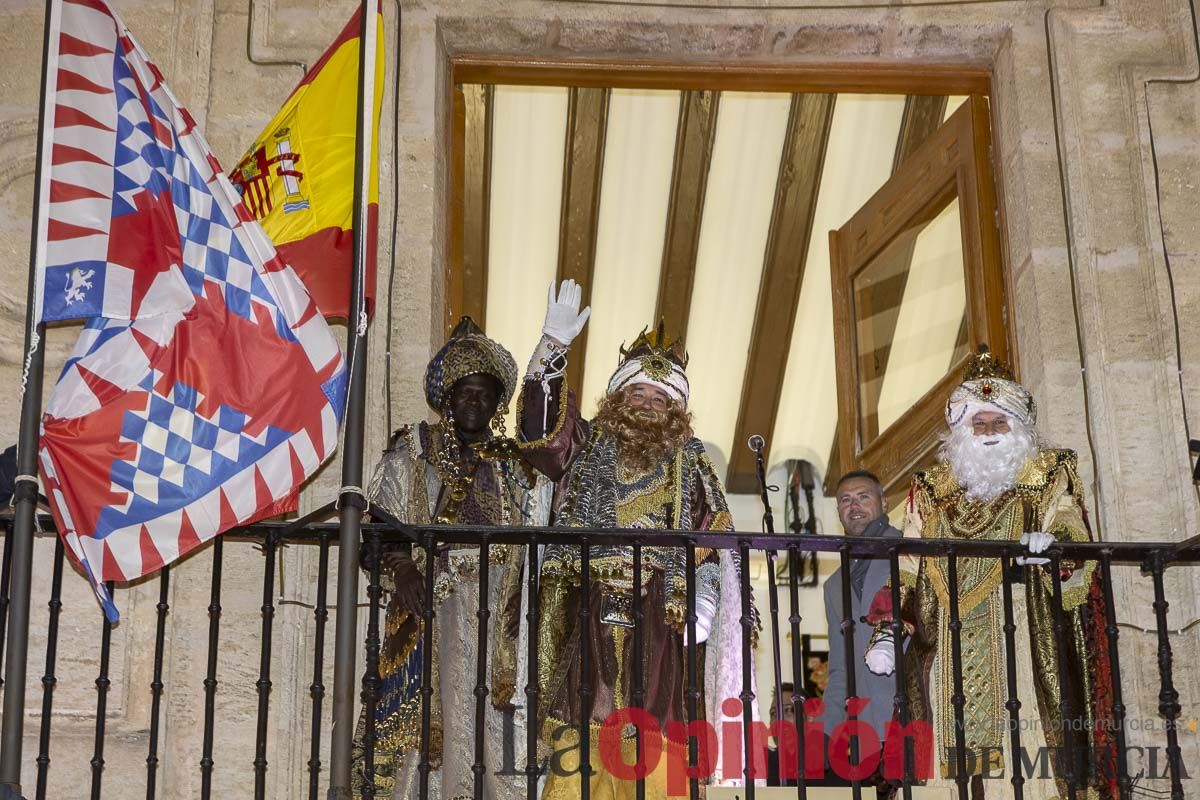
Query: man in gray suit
{"points": [[862, 510]]}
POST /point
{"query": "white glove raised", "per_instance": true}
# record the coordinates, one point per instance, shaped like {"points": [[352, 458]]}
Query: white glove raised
{"points": [[1036, 542], [706, 610], [881, 657], [564, 320]]}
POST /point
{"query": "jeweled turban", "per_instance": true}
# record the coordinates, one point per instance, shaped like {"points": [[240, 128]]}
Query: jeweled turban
{"points": [[468, 352], [656, 361], [988, 385]]}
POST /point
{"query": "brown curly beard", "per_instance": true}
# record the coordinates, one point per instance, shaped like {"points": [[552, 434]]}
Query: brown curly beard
{"points": [[644, 438]]}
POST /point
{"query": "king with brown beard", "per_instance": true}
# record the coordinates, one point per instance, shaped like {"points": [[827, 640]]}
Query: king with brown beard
{"points": [[645, 436], [637, 464]]}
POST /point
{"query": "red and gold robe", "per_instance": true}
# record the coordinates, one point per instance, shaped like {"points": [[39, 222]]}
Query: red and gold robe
{"points": [[595, 490]]}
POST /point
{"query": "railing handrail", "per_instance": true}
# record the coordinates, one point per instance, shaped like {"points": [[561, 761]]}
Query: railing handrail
{"points": [[286, 532]]}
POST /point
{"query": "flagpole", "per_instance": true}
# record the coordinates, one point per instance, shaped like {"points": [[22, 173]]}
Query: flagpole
{"points": [[351, 499], [26, 495]]}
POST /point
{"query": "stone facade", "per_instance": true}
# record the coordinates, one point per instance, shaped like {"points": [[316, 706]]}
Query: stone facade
{"points": [[1098, 152]]}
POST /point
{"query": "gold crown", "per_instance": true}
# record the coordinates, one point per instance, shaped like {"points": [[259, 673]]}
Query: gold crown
{"points": [[656, 343], [982, 364]]}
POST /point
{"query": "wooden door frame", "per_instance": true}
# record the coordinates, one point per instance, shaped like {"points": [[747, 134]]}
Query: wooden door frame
{"points": [[971, 78], [883, 77]]}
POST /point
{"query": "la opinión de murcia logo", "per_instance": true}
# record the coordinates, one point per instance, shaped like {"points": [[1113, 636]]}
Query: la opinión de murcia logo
{"points": [[820, 754]]}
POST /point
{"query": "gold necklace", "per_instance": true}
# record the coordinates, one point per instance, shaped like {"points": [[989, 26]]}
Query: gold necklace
{"points": [[456, 472]]}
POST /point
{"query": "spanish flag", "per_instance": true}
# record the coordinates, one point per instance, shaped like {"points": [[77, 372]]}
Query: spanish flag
{"points": [[297, 178]]}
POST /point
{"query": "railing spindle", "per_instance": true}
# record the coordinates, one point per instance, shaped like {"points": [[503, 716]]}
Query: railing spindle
{"points": [[797, 698], [747, 696], [102, 687], [585, 668], [1124, 784], [210, 676], [639, 664], [482, 615], [317, 689], [848, 655], [901, 700], [156, 683], [370, 679], [957, 699], [49, 681], [1065, 687], [776, 660], [532, 770], [1168, 698], [427, 665], [1013, 704], [264, 670], [692, 692]]}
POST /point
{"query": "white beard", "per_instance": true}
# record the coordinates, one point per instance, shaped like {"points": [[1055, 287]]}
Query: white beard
{"points": [[987, 470]]}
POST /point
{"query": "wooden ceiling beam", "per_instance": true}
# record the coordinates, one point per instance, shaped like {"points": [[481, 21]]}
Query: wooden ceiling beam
{"points": [[796, 190], [695, 134], [583, 168]]}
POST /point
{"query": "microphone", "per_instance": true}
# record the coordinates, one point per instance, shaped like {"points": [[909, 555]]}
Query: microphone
{"points": [[756, 443]]}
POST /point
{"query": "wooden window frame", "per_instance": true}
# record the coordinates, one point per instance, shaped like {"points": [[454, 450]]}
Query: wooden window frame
{"points": [[954, 162]]}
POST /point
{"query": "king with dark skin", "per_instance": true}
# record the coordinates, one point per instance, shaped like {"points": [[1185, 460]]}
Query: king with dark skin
{"points": [[472, 402]]}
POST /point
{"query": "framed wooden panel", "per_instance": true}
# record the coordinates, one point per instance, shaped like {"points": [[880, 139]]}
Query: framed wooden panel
{"points": [[947, 177]]}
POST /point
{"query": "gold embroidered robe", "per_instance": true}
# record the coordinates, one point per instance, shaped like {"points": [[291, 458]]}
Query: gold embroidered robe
{"points": [[684, 492], [1046, 497], [407, 485]]}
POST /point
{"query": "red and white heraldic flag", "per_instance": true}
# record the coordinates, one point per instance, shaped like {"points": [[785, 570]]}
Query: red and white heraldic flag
{"points": [[206, 387]]}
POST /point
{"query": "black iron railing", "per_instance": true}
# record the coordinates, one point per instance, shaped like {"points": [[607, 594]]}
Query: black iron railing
{"points": [[1150, 558]]}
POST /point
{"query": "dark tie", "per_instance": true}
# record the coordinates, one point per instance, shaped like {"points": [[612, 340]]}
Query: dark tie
{"points": [[858, 574]]}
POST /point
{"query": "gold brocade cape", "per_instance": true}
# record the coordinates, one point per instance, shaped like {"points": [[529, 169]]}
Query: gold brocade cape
{"points": [[1046, 497], [594, 490], [682, 493], [407, 485]]}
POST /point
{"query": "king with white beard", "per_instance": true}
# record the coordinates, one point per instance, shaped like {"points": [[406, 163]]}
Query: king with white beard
{"points": [[993, 481]]}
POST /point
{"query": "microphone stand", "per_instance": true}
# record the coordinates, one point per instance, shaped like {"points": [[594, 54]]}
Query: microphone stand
{"points": [[756, 444]]}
